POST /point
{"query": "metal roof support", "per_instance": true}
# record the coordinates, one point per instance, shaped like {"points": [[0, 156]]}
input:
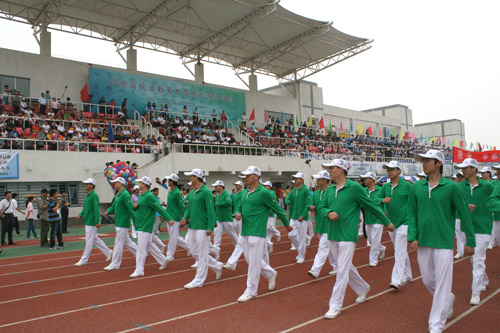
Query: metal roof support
{"points": [[47, 15], [276, 51], [210, 44], [141, 28]]}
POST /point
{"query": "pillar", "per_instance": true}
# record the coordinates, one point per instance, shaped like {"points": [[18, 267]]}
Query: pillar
{"points": [[45, 43], [132, 59], [199, 73], [252, 82]]}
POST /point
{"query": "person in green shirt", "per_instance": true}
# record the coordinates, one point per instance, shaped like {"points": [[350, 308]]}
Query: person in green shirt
{"points": [[486, 176], [477, 192], [321, 226], [238, 186], [232, 262], [254, 208], [300, 198], [224, 214], [145, 213], [123, 211], [394, 195], [175, 208], [459, 234], [374, 226], [90, 214], [341, 205], [271, 221], [496, 215], [431, 218], [201, 214]]}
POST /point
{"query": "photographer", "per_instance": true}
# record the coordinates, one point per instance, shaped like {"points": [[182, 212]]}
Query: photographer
{"points": [[53, 205], [64, 211]]}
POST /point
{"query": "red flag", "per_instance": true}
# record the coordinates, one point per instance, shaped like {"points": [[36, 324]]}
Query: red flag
{"points": [[407, 135], [369, 130], [321, 123], [265, 116], [84, 93], [341, 127], [252, 116]]}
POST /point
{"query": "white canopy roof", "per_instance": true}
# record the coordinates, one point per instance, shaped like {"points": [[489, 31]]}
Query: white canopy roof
{"points": [[249, 35]]}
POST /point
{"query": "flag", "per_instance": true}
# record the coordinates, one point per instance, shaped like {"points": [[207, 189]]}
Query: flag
{"points": [[387, 133], [351, 128], [252, 116], [265, 116], [297, 120], [84, 93], [379, 132], [360, 129], [400, 135], [310, 122], [393, 133], [421, 138], [282, 119], [369, 129], [322, 123], [111, 136], [341, 127], [331, 128], [407, 135], [471, 145]]}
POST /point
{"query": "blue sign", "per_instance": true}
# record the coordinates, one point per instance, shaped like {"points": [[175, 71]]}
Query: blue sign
{"points": [[9, 164], [139, 90]]}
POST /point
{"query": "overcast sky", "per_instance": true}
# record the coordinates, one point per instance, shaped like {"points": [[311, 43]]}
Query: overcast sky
{"points": [[440, 58]]}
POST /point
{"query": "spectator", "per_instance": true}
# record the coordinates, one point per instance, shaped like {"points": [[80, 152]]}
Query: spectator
{"points": [[124, 107], [43, 214], [55, 229], [5, 94], [214, 116], [30, 214], [16, 210], [64, 211], [7, 214], [42, 102]]}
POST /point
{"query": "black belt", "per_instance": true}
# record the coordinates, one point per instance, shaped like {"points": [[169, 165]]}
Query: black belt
{"points": [[8, 214]]}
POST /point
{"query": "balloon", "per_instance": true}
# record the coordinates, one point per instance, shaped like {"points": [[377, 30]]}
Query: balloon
{"points": [[122, 170]]}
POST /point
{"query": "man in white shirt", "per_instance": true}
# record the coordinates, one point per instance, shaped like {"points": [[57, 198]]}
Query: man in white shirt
{"points": [[7, 209], [43, 104]]}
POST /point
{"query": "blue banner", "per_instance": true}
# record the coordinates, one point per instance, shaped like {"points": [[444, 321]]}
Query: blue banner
{"points": [[139, 90], [9, 164]]}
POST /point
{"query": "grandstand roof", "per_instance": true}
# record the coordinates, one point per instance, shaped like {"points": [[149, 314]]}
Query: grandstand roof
{"points": [[249, 35]]}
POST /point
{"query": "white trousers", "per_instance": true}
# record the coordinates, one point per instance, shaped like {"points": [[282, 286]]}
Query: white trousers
{"points": [[322, 254], [199, 246], [460, 237], [156, 228], [122, 239], [92, 239], [157, 241], [478, 259], [144, 246], [271, 229], [495, 233], [346, 273], [219, 230], [374, 233], [298, 237], [238, 251], [361, 221], [310, 228], [134, 232], [237, 225], [174, 239], [402, 268], [255, 251], [436, 267]]}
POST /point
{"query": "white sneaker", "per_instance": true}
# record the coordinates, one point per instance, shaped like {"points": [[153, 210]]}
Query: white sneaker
{"points": [[218, 274], [368, 244], [272, 281], [308, 242], [78, 264], [450, 309], [362, 298], [163, 248], [195, 265], [373, 265], [405, 281], [458, 256], [229, 266], [483, 288], [300, 261], [190, 285], [313, 274], [293, 248], [188, 253], [109, 268], [270, 248], [164, 265], [382, 255], [109, 257], [490, 247], [395, 285], [332, 272], [278, 238], [331, 314], [134, 236], [245, 298], [134, 275], [475, 300]]}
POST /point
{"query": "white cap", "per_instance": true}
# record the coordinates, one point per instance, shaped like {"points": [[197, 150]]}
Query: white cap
{"points": [[392, 165], [431, 153], [218, 183], [369, 175], [251, 170], [485, 169], [173, 177], [298, 175], [136, 187], [238, 183], [322, 174], [89, 181], [119, 180], [421, 174], [338, 163], [496, 167], [268, 183], [146, 180], [195, 172], [466, 163]]}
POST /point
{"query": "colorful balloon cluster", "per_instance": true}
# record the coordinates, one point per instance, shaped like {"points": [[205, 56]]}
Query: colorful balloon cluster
{"points": [[121, 170]]}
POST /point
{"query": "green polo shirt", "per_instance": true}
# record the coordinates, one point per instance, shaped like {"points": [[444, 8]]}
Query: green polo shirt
{"points": [[397, 209], [375, 197], [299, 203], [494, 202], [482, 220], [347, 202], [200, 209], [431, 214], [145, 213], [496, 214], [90, 212], [236, 199], [123, 209], [322, 223], [224, 207], [254, 208], [175, 204]]}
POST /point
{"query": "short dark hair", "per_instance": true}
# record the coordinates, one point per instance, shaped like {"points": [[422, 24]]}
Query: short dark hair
{"points": [[14, 195], [52, 192], [7, 192], [155, 189], [44, 190]]}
